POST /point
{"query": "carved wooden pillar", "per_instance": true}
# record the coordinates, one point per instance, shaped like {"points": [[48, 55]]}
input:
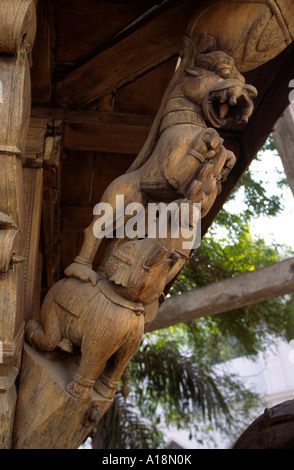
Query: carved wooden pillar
{"points": [[17, 32]]}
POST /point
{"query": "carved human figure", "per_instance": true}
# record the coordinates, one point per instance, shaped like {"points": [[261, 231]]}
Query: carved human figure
{"points": [[212, 92]]}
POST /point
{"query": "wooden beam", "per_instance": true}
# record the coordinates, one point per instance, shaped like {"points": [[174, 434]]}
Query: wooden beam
{"points": [[284, 139], [35, 143], [76, 218], [146, 45], [41, 56], [33, 186], [99, 131], [240, 291], [51, 204], [105, 132]]}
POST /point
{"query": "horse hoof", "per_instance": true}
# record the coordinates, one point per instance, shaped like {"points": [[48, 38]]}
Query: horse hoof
{"points": [[66, 345]]}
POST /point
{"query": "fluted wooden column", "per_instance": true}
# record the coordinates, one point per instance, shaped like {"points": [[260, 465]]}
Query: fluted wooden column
{"points": [[17, 32]]}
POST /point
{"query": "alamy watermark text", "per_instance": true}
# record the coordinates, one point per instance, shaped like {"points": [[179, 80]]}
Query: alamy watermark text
{"points": [[181, 220]]}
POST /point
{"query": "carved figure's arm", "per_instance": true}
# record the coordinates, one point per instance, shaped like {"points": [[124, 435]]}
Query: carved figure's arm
{"points": [[81, 268]]}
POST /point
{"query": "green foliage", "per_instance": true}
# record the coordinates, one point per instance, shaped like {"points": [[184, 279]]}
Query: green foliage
{"points": [[256, 199], [289, 321], [168, 380], [217, 259], [269, 144], [243, 331], [123, 427], [178, 382]]}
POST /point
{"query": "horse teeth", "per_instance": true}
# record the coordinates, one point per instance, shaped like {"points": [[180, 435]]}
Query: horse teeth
{"points": [[224, 108]]}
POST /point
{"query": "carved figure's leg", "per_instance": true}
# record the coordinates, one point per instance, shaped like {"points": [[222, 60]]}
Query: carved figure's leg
{"points": [[229, 163], [207, 143], [44, 338], [180, 158], [126, 185], [203, 148], [206, 186], [46, 334], [91, 365], [108, 381], [105, 330]]}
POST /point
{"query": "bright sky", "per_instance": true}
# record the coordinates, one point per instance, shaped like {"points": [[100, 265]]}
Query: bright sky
{"points": [[277, 229]]}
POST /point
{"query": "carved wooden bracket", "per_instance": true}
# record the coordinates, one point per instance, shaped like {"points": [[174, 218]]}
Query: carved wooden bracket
{"points": [[92, 321]]}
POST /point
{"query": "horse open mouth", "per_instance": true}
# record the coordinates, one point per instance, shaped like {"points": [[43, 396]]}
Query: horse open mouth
{"points": [[229, 103]]}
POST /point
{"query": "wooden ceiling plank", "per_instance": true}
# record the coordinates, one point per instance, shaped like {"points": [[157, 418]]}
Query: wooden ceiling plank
{"points": [[41, 56], [93, 22], [99, 131], [139, 51], [105, 132]]}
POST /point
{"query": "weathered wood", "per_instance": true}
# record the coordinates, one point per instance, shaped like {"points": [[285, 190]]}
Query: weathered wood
{"points": [[33, 187], [106, 71], [41, 71], [105, 132], [39, 129], [51, 202], [182, 143], [89, 173], [271, 430], [15, 83], [7, 412], [134, 97], [240, 291], [65, 422], [284, 139], [128, 57], [35, 143], [81, 28], [252, 32], [183, 160], [272, 82], [107, 167], [109, 132], [105, 318], [18, 25], [17, 32]]}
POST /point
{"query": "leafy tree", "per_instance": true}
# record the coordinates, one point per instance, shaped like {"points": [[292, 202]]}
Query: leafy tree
{"points": [[175, 371]]}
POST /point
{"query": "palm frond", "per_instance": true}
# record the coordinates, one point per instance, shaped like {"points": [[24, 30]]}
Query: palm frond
{"points": [[123, 427], [176, 383]]}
